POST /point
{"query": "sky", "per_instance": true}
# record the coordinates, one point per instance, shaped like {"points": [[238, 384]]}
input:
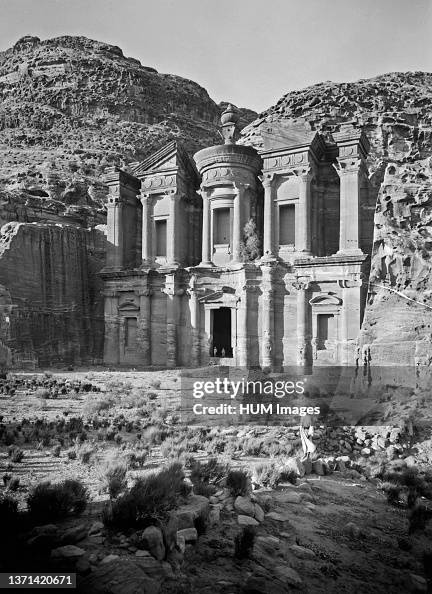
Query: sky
{"points": [[249, 52]]}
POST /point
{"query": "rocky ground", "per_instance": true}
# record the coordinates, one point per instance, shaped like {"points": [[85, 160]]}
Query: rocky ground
{"points": [[326, 526]]}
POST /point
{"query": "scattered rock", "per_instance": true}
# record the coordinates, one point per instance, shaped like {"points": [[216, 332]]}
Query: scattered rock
{"points": [[189, 534], [247, 521], [302, 552], [287, 575], [67, 552], [119, 577], [151, 539]]}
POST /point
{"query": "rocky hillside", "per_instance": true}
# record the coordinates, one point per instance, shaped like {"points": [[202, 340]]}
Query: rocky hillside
{"points": [[396, 112], [71, 106]]}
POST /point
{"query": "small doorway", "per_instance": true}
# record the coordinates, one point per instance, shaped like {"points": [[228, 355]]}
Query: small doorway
{"points": [[324, 327], [222, 346]]}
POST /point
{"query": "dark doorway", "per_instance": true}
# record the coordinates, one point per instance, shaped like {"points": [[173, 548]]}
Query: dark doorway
{"points": [[222, 346]]}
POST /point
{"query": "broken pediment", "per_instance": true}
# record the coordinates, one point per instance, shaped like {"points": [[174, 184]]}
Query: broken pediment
{"points": [[128, 306], [170, 158], [325, 299], [278, 135]]}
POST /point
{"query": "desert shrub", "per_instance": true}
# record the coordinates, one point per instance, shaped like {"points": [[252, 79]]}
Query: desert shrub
{"points": [[56, 451], [251, 446], [15, 454], [71, 454], [151, 497], [133, 399], [419, 516], [392, 491], [49, 501], [244, 541], [137, 459], [8, 512], [237, 482], [13, 483], [53, 501], [266, 474], [114, 476], [205, 476], [8, 438], [42, 393], [94, 405], [85, 453], [172, 449]]}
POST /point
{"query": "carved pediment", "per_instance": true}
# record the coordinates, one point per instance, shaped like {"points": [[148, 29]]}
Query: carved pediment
{"points": [[325, 299], [128, 306], [224, 296], [170, 159]]}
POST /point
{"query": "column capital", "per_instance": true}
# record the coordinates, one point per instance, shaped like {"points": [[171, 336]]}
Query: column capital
{"points": [[305, 173], [302, 283], [268, 179], [349, 166], [110, 293]]}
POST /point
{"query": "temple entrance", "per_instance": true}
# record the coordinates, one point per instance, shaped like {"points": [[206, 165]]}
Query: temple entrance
{"points": [[222, 345]]}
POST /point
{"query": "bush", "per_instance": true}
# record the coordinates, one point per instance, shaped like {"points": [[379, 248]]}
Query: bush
{"points": [[85, 453], [151, 497], [13, 484], [49, 501], [42, 393], [266, 474], [244, 542], [56, 451], [8, 512], [15, 454], [113, 477], [237, 482]]}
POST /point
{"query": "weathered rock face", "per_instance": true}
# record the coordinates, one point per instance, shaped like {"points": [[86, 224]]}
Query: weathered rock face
{"points": [[70, 106], [396, 112], [51, 273]]}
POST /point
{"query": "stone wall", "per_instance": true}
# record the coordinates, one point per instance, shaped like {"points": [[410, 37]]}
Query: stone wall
{"points": [[51, 271]]}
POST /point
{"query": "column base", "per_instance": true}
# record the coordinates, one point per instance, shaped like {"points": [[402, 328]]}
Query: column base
{"points": [[205, 265], [350, 252]]}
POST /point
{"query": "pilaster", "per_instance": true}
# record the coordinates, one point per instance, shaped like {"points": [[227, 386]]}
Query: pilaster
{"points": [[304, 347], [269, 218], [303, 234], [144, 325]]}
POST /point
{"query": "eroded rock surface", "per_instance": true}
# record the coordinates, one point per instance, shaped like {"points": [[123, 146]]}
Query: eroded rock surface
{"points": [[395, 110]]}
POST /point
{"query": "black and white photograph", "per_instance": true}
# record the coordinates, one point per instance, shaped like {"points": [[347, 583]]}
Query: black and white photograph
{"points": [[216, 296]]}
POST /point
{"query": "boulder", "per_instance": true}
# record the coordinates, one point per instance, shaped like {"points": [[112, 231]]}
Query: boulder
{"points": [[119, 577], [189, 534], [247, 521], [246, 507], [110, 558], [44, 537], [287, 575], [67, 552], [197, 506], [75, 534], [318, 467], [151, 539], [214, 514], [302, 552]]}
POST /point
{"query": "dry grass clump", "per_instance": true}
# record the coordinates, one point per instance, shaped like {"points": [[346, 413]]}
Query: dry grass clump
{"points": [[151, 498]]}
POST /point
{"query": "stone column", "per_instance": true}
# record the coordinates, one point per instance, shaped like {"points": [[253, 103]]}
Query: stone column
{"points": [[115, 252], [237, 224], [172, 319], [350, 319], [303, 221], [195, 322], [242, 329], [206, 248], [350, 172], [146, 243], [267, 319], [172, 231], [144, 325], [112, 328], [304, 350], [268, 248]]}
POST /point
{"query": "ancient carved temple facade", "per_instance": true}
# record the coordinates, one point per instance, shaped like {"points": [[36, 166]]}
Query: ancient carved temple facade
{"points": [[182, 287]]}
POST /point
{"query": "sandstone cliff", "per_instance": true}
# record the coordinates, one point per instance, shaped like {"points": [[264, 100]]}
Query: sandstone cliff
{"points": [[396, 112], [69, 107]]}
